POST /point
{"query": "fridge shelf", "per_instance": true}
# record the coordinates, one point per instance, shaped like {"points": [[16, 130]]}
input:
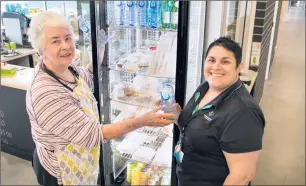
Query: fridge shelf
{"points": [[133, 102], [153, 142], [142, 74], [142, 28]]}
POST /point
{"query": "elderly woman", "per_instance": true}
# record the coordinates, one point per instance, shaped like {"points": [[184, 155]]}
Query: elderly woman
{"points": [[63, 111], [221, 126]]}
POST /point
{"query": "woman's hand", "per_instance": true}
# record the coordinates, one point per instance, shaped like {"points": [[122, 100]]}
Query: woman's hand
{"points": [[156, 119], [152, 118]]}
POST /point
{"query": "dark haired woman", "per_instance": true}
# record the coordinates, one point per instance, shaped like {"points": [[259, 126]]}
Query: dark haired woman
{"points": [[221, 126]]}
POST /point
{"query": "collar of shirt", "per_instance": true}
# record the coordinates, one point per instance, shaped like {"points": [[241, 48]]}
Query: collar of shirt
{"points": [[187, 113]]}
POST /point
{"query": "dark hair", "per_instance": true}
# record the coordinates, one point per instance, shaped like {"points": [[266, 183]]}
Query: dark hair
{"points": [[229, 45]]}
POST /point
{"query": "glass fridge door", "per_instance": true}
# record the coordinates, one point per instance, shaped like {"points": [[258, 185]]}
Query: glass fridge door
{"points": [[195, 46], [140, 63]]}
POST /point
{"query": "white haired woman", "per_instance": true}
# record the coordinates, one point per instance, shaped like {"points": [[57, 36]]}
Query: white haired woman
{"points": [[63, 111]]}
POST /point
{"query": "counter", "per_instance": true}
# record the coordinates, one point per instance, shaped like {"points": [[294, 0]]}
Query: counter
{"points": [[16, 138], [24, 58], [252, 76]]}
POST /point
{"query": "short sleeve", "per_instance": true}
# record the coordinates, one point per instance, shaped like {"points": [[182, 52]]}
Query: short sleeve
{"points": [[244, 132]]}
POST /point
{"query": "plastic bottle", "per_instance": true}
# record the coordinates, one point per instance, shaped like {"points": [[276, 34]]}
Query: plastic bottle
{"points": [[167, 94], [168, 99], [166, 8], [130, 16], [84, 25], [130, 166], [154, 14], [120, 12], [111, 17], [142, 13], [174, 14], [102, 38]]}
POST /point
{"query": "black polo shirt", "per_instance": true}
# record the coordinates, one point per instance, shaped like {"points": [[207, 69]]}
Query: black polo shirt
{"points": [[232, 122]]}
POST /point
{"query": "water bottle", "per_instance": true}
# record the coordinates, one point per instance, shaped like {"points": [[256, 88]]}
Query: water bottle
{"points": [[18, 8], [84, 25], [142, 13], [111, 17], [102, 38], [13, 7], [168, 99], [154, 14], [130, 16], [120, 12], [7, 7]]}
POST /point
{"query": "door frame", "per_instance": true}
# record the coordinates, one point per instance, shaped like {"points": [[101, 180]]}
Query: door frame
{"points": [[268, 68]]}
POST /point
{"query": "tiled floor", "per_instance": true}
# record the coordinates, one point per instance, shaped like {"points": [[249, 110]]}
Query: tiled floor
{"points": [[282, 161]]}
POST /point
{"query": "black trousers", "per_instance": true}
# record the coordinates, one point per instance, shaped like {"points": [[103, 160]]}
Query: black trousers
{"points": [[43, 176]]}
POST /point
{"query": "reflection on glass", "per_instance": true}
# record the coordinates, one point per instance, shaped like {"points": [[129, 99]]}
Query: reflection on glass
{"points": [[56, 6], [71, 13], [35, 4], [234, 20]]}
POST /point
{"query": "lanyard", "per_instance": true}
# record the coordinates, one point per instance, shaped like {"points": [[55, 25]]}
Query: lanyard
{"points": [[206, 107], [49, 72]]}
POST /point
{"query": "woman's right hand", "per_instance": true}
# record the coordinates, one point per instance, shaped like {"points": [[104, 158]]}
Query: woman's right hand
{"points": [[155, 119]]}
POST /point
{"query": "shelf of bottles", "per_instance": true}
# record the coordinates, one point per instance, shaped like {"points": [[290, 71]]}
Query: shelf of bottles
{"points": [[141, 59]]}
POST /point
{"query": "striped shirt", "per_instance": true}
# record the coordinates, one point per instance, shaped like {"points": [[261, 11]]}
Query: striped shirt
{"points": [[57, 119]]}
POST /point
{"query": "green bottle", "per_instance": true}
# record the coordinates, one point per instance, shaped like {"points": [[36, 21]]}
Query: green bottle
{"points": [[166, 16], [174, 14]]}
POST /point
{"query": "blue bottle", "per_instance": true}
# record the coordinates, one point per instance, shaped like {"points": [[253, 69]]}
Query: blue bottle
{"points": [[154, 14], [13, 7], [8, 7], [142, 13], [168, 99], [84, 25], [120, 12], [130, 18]]}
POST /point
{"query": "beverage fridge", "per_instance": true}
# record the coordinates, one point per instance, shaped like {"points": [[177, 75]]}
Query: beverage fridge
{"points": [[145, 63]]}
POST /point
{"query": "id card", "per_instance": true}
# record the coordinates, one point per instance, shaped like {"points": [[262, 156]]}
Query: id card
{"points": [[178, 153]]}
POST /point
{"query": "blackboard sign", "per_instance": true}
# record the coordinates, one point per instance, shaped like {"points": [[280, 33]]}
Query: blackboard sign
{"points": [[14, 121]]}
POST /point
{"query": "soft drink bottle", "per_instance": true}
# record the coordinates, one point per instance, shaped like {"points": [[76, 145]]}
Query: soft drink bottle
{"points": [[165, 14], [174, 14]]}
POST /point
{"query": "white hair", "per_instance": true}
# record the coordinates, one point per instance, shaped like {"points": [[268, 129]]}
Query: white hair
{"points": [[39, 22]]}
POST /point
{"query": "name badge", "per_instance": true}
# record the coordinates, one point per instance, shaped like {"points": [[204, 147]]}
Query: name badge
{"points": [[178, 153]]}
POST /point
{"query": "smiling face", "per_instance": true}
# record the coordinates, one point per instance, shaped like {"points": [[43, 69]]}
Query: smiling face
{"points": [[220, 69], [59, 48]]}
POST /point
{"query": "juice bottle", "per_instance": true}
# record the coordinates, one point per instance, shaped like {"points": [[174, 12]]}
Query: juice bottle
{"points": [[135, 176], [130, 166], [141, 165], [144, 177]]}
